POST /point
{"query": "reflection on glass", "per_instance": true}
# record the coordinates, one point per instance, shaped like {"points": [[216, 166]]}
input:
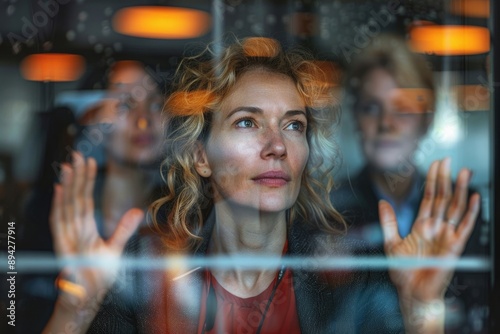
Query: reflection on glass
{"points": [[244, 238]]}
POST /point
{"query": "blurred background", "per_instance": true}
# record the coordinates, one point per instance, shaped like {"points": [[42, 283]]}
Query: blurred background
{"points": [[56, 56]]}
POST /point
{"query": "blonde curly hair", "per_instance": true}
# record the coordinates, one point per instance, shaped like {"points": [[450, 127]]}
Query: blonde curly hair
{"points": [[200, 85]]}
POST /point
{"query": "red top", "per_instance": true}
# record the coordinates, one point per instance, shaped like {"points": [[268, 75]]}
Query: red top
{"points": [[243, 315]]}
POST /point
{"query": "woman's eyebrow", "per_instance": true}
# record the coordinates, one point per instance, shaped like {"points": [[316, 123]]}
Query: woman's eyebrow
{"points": [[256, 110], [253, 110], [295, 112]]}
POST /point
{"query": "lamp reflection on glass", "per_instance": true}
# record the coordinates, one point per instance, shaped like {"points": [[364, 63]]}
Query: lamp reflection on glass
{"points": [[304, 24], [471, 8], [53, 67], [261, 47], [449, 40], [190, 102], [49, 68], [162, 22], [472, 97], [324, 80]]}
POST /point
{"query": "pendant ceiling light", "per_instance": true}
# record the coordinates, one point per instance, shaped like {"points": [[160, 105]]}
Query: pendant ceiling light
{"points": [[162, 22], [52, 67], [449, 40]]}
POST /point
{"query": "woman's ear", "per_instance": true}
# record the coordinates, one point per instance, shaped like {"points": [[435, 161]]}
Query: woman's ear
{"points": [[201, 162]]}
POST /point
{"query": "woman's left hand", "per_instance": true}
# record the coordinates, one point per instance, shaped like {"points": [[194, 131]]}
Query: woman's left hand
{"points": [[444, 223]]}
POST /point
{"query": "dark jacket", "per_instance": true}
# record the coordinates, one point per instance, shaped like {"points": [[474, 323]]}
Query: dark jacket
{"points": [[338, 302]]}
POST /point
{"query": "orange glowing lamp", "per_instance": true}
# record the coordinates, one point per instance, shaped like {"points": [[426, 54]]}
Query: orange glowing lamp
{"points": [[52, 67], [450, 40], [162, 22]]}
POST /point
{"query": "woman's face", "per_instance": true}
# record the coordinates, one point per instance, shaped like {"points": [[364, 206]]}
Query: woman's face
{"points": [[389, 121], [257, 148], [137, 128]]}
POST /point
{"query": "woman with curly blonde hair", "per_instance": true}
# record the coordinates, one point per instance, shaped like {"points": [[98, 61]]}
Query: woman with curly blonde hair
{"points": [[247, 174], [200, 91]]}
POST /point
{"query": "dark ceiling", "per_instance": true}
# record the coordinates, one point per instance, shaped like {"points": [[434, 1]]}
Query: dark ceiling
{"points": [[327, 27]]}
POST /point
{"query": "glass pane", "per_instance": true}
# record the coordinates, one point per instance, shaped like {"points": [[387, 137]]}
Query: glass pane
{"points": [[396, 86]]}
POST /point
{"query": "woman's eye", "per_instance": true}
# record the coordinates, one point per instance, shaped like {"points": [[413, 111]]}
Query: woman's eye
{"points": [[124, 107], [155, 107], [369, 109], [245, 123], [296, 126]]}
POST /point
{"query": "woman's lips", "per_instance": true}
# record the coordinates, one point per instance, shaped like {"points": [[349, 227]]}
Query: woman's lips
{"points": [[143, 140], [272, 178], [387, 143]]}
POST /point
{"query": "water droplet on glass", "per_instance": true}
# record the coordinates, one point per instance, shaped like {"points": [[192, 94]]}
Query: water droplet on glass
{"points": [[108, 11], [98, 48], [47, 46], [271, 19], [16, 47], [106, 30], [82, 16], [70, 35], [117, 46], [10, 10], [257, 28]]}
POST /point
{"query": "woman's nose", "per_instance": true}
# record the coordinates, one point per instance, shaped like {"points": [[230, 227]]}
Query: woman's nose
{"points": [[386, 119], [274, 145]]}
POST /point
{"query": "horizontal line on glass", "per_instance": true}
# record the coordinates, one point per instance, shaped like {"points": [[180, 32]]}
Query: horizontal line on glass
{"points": [[35, 262]]}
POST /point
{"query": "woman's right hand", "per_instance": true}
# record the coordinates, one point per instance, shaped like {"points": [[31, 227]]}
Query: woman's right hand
{"points": [[75, 233]]}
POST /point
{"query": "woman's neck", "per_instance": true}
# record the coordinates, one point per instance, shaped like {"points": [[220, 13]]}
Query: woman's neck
{"points": [[242, 231], [393, 185]]}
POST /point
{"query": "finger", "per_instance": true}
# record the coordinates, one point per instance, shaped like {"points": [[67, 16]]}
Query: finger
{"points": [[55, 219], [67, 196], [466, 226], [88, 194], [78, 184], [389, 224], [443, 190], [126, 228], [458, 203], [425, 210]]}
